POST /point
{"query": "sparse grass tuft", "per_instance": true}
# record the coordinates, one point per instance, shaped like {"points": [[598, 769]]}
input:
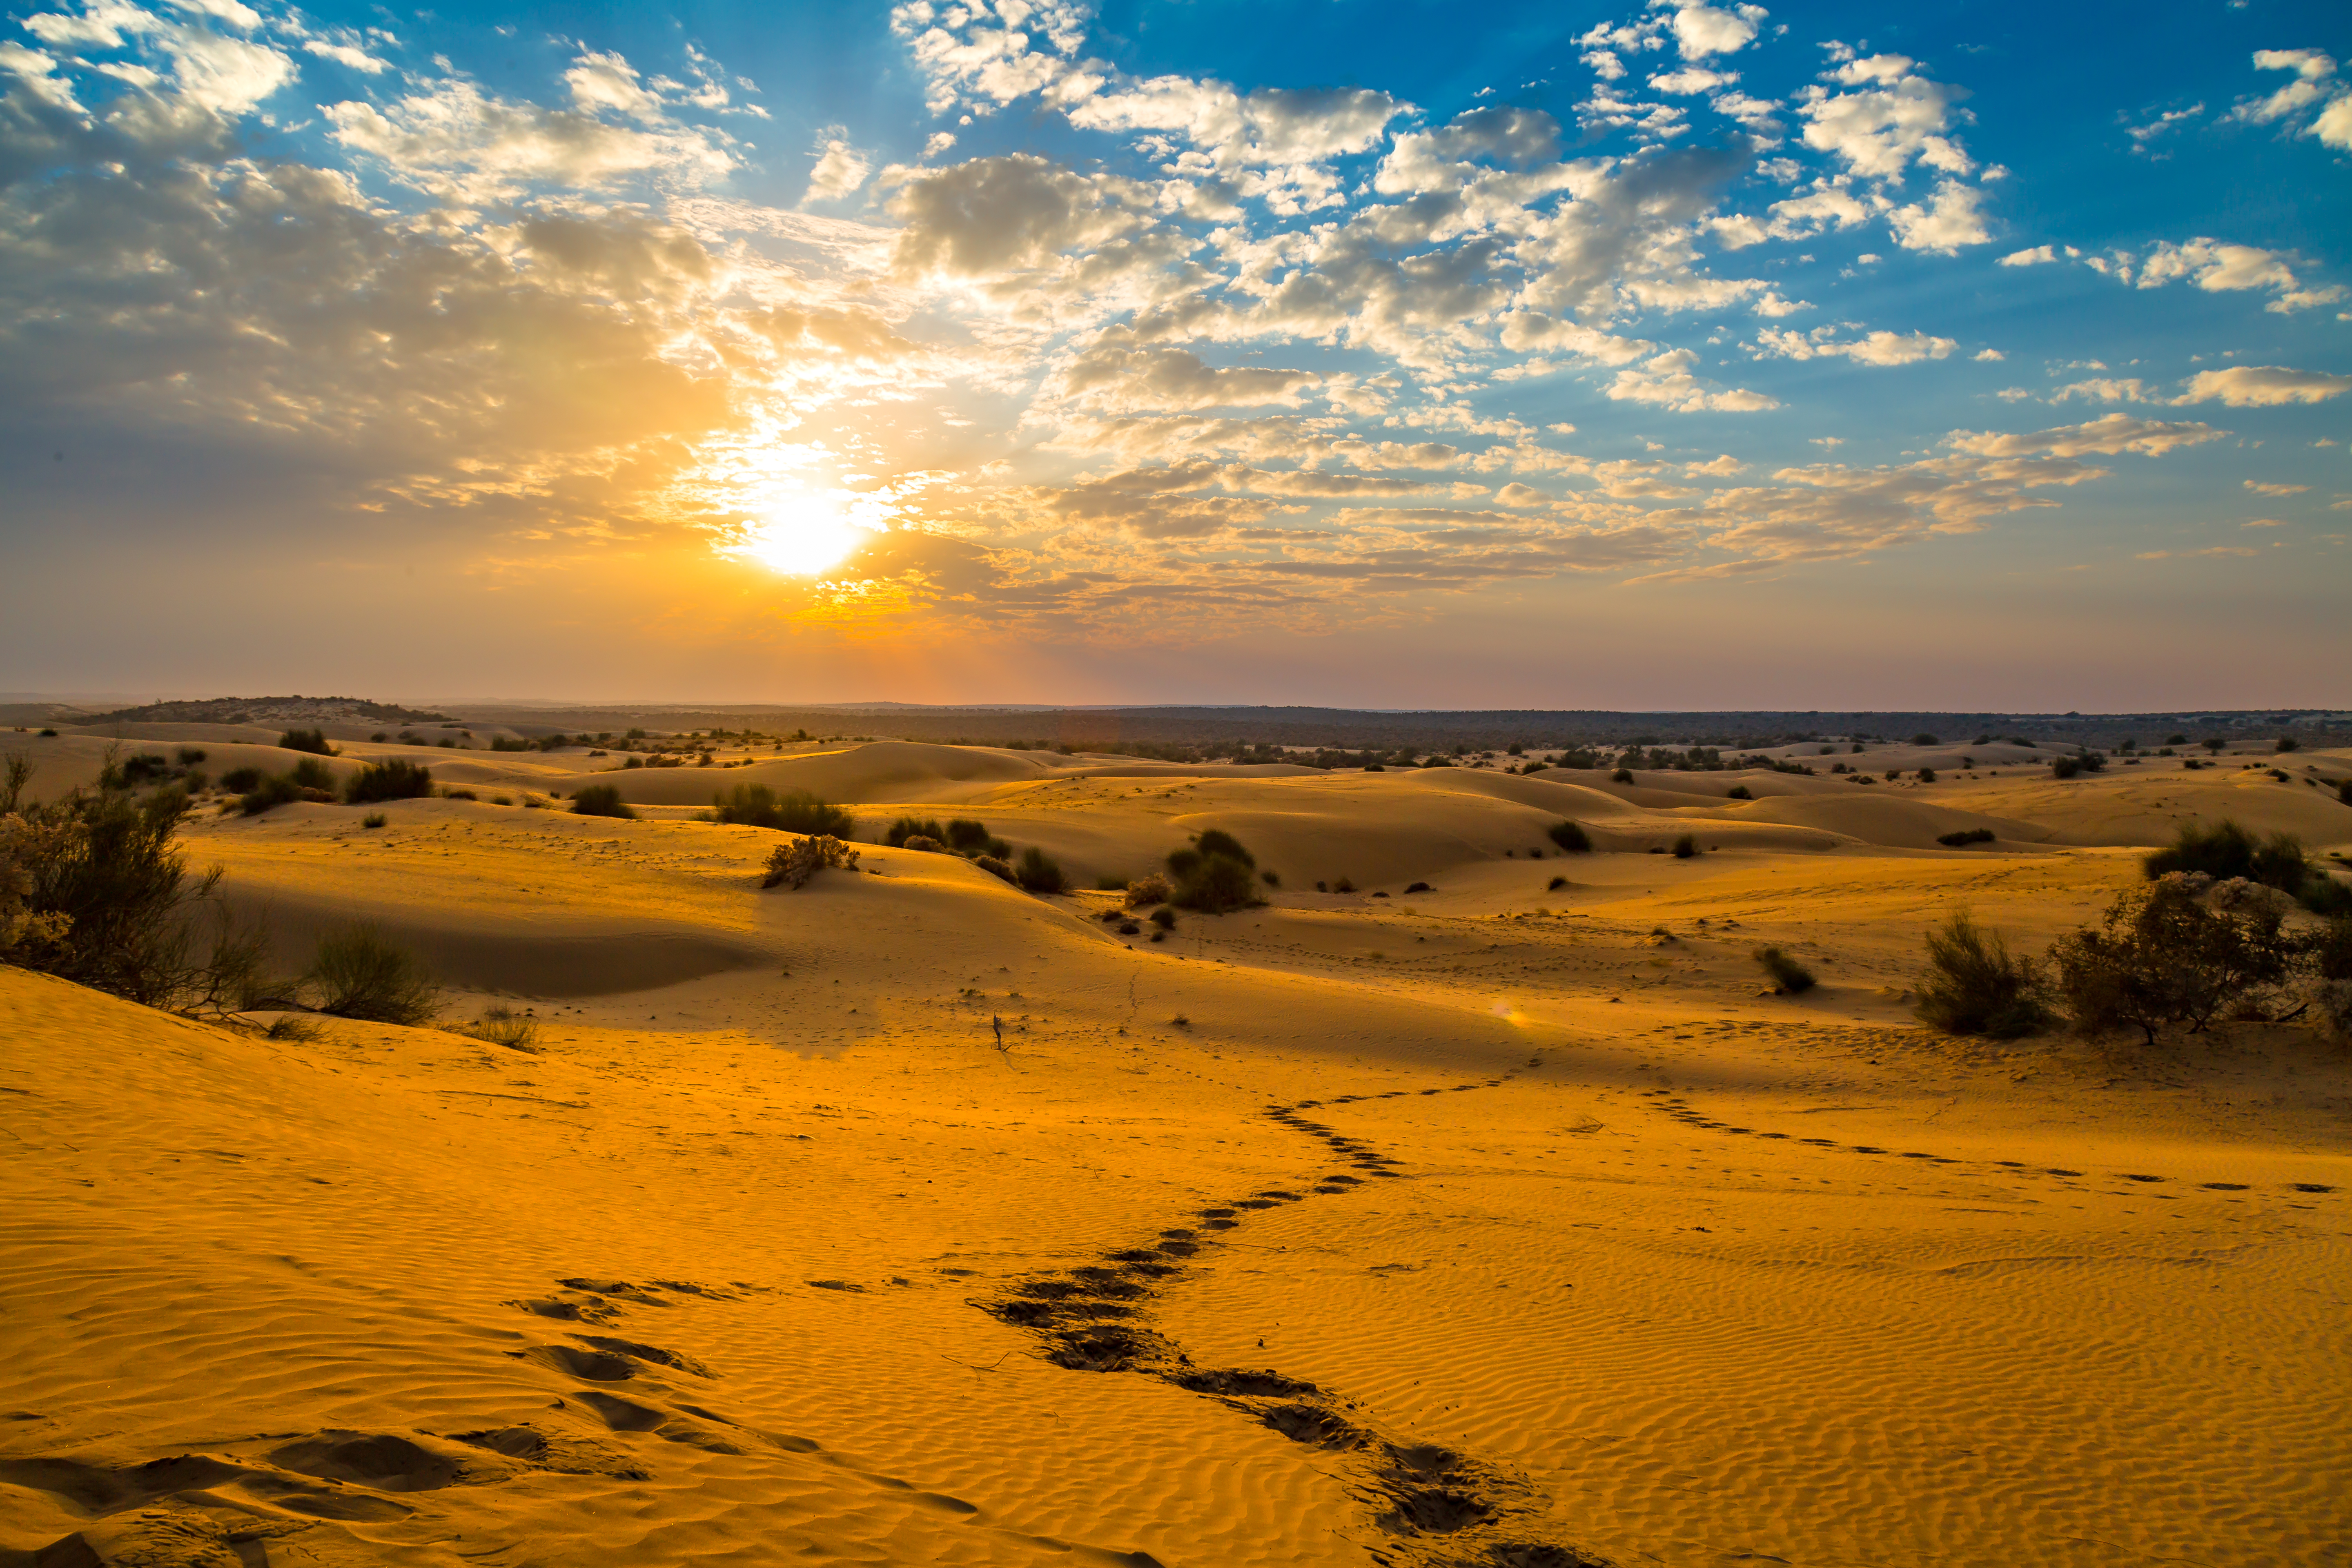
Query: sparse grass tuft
{"points": [[374, 819], [503, 1026]]}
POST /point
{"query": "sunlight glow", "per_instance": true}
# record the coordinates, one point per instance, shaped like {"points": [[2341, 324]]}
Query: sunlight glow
{"points": [[803, 535]]}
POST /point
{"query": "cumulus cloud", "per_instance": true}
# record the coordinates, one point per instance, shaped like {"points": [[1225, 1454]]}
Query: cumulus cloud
{"points": [[2263, 386], [1119, 374], [2106, 436], [1702, 31], [1667, 380], [992, 216], [1881, 116], [1880, 348], [840, 171], [2105, 389], [2217, 267], [1955, 217]]}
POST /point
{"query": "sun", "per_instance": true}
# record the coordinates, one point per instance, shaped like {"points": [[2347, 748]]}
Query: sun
{"points": [[802, 535]]}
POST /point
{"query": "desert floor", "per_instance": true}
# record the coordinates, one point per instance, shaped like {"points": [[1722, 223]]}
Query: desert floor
{"points": [[1495, 1222]]}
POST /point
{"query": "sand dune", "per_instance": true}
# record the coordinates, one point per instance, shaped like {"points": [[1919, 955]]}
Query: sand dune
{"points": [[1484, 1224]]}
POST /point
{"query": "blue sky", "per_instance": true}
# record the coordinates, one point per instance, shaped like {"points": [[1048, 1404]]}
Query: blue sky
{"points": [[1666, 356]]}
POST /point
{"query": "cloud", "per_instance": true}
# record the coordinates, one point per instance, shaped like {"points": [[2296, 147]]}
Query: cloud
{"points": [[1881, 348], [2105, 436], [2263, 386], [994, 216], [1119, 374], [2314, 83], [840, 169], [1892, 118], [1954, 218], [2223, 268], [2039, 255], [2267, 488], [1666, 379], [2105, 389], [1702, 31], [1528, 331], [349, 57]]}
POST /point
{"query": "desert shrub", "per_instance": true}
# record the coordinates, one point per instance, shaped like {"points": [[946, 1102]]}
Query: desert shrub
{"points": [[1270, 877], [1685, 847], [312, 741], [1555, 885], [269, 793], [145, 768], [470, 795], [2329, 953], [1625, 775], [358, 973], [2289, 743], [1146, 891], [1965, 836], [374, 819], [1419, 887], [310, 772], [601, 800], [291, 1028], [236, 781], [791, 863], [1927, 775], [1343, 885], [1214, 875], [1788, 975], [1039, 872], [2066, 767], [1923, 739], [994, 866], [970, 836], [504, 1027], [2160, 956], [1570, 837], [922, 845], [2322, 895], [907, 827], [393, 780], [786, 811], [1976, 985], [1739, 792], [2226, 849], [1163, 917]]}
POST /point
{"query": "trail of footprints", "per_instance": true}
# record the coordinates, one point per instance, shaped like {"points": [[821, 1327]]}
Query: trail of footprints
{"points": [[1436, 1508], [228, 1506], [1680, 1110]]}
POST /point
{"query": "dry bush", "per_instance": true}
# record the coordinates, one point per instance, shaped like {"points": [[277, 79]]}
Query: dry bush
{"points": [[360, 974], [393, 780], [2160, 956], [994, 865], [1789, 976], [787, 811], [1039, 872], [909, 827], [1146, 891], [503, 1026], [1976, 985], [1215, 875], [602, 800], [791, 865], [1570, 837], [923, 844]]}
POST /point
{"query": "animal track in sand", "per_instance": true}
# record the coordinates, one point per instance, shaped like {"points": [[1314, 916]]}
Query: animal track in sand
{"points": [[1672, 1105], [1442, 1509]]}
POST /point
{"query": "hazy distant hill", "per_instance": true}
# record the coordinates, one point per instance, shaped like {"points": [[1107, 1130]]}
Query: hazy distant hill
{"points": [[269, 711]]}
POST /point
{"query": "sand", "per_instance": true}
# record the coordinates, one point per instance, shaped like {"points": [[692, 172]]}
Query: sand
{"points": [[1493, 1223]]}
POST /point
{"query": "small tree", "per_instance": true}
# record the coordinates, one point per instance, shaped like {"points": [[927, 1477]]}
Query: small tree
{"points": [[786, 811], [1976, 985], [791, 865], [2159, 956], [1215, 875]]}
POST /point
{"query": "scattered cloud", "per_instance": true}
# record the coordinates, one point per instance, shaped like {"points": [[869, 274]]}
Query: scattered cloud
{"points": [[1881, 348], [2263, 386]]}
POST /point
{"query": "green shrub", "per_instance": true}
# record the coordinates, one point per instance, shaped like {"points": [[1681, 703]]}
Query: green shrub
{"points": [[2066, 767], [1739, 792], [1685, 847], [1163, 917], [1923, 739], [601, 800], [2225, 850], [359, 974], [268, 794], [1789, 976], [1625, 775], [2160, 956], [968, 836], [1976, 985], [1927, 775], [374, 819], [1039, 872], [310, 772], [907, 827], [1215, 875], [396, 779], [314, 740], [786, 811], [1965, 836], [236, 781], [1570, 837], [2289, 743]]}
